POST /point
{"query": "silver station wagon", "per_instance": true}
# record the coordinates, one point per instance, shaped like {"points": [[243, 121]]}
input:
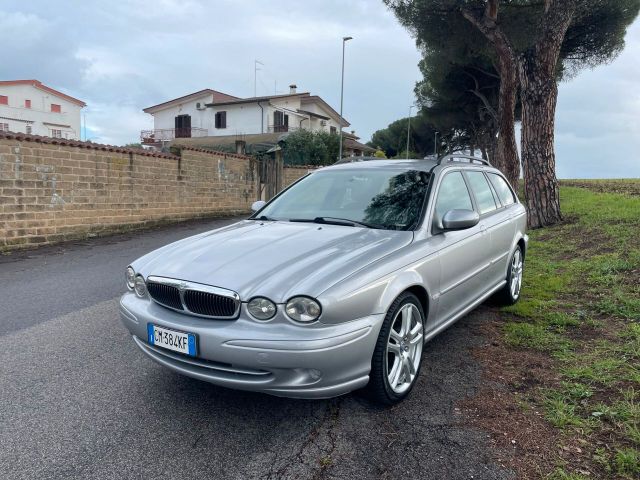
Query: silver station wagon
{"points": [[337, 283]]}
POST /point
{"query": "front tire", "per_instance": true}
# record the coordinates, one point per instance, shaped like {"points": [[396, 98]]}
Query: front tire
{"points": [[510, 294], [397, 358]]}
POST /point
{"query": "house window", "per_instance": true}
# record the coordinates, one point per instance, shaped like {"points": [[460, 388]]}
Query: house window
{"points": [[221, 120], [56, 133], [183, 126], [4, 100], [280, 122], [333, 130], [4, 127], [56, 108], [27, 104], [29, 129]]}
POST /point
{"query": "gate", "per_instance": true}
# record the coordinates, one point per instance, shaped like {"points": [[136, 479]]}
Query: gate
{"points": [[270, 174]]}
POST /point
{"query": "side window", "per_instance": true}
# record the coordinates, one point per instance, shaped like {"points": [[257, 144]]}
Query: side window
{"points": [[502, 189], [482, 191], [453, 194], [221, 120]]}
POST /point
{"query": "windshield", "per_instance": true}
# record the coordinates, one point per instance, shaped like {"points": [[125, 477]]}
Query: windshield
{"points": [[378, 198]]}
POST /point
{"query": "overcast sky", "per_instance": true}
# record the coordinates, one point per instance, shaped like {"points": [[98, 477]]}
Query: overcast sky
{"points": [[122, 56]]}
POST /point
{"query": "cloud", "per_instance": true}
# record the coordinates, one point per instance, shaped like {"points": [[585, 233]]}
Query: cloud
{"points": [[121, 57], [598, 118]]}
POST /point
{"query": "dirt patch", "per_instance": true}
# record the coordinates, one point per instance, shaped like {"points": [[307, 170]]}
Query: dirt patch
{"points": [[509, 376], [623, 186]]}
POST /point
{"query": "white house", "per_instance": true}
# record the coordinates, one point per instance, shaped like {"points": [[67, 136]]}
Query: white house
{"points": [[29, 106], [209, 113]]}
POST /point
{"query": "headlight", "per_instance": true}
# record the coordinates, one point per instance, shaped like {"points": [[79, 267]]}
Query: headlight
{"points": [[130, 277], [140, 286], [303, 309], [261, 308]]}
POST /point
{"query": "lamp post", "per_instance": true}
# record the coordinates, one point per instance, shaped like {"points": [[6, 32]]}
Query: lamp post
{"points": [[344, 40], [409, 130]]}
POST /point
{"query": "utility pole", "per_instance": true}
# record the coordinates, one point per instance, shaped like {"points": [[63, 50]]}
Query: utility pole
{"points": [[344, 40], [408, 130], [255, 76]]}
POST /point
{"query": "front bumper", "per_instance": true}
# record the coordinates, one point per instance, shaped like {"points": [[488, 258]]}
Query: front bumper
{"points": [[276, 357]]}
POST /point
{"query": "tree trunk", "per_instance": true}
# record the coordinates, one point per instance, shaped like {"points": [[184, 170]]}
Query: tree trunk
{"points": [[506, 158], [538, 94]]}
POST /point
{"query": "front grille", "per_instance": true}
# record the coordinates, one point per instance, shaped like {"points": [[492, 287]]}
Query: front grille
{"points": [[195, 298], [209, 304], [166, 295]]}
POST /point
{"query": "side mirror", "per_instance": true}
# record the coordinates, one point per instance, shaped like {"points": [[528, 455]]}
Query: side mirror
{"points": [[257, 205], [460, 219]]}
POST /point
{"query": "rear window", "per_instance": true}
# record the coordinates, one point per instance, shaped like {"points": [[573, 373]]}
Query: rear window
{"points": [[482, 191], [502, 189]]}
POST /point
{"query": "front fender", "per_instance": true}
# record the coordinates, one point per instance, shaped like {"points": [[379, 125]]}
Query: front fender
{"points": [[357, 297]]}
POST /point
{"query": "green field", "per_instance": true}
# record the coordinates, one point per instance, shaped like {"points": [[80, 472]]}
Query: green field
{"points": [[580, 307]]}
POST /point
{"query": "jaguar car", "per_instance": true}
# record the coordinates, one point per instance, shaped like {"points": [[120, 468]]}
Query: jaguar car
{"points": [[337, 283]]}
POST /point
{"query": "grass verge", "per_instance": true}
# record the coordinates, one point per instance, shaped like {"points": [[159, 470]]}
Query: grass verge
{"points": [[569, 351]]}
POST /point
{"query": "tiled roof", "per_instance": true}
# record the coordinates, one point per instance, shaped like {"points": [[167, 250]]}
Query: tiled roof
{"points": [[201, 93], [42, 86], [258, 99]]}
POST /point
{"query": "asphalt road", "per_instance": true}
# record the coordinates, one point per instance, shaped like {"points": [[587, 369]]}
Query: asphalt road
{"points": [[77, 400]]}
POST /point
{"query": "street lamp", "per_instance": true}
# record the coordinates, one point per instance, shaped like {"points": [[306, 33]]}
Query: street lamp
{"points": [[409, 129], [344, 40]]}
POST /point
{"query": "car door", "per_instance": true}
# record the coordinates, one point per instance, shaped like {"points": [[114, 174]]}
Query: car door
{"points": [[463, 254], [504, 231], [496, 219]]}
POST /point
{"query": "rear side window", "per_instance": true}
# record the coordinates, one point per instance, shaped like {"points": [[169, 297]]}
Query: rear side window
{"points": [[482, 191], [453, 194], [502, 189]]}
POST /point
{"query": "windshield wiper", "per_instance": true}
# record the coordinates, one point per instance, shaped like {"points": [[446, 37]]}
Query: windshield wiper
{"points": [[263, 217], [335, 221]]}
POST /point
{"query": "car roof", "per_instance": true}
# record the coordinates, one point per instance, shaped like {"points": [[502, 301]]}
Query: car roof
{"points": [[427, 164], [368, 163]]}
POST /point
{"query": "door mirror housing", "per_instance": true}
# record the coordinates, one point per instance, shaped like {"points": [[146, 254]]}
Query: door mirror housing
{"points": [[460, 219], [257, 205]]}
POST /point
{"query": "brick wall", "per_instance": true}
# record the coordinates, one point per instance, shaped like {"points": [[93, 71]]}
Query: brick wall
{"points": [[53, 190], [291, 174]]}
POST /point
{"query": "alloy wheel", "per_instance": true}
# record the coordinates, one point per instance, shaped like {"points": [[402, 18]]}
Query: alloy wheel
{"points": [[404, 348], [516, 274]]}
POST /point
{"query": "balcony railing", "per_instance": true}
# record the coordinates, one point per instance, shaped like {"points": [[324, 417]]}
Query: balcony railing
{"points": [[160, 135], [281, 128]]}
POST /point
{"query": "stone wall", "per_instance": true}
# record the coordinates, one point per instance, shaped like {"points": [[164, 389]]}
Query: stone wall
{"points": [[53, 189], [292, 173]]}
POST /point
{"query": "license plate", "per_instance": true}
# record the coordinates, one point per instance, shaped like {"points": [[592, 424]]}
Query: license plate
{"points": [[182, 342]]}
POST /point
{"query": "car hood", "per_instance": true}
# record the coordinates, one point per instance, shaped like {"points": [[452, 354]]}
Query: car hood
{"points": [[273, 259]]}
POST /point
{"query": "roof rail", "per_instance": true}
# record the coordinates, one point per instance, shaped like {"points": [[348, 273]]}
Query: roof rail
{"points": [[454, 156]]}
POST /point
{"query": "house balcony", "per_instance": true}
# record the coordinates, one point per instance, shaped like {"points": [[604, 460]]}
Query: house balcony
{"points": [[281, 128], [160, 135]]}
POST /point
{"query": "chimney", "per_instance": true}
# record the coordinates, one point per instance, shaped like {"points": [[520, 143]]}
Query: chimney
{"points": [[292, 88]]}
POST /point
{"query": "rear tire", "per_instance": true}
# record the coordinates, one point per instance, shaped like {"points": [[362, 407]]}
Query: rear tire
{"points": [[510, 294], [397, 358]]}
